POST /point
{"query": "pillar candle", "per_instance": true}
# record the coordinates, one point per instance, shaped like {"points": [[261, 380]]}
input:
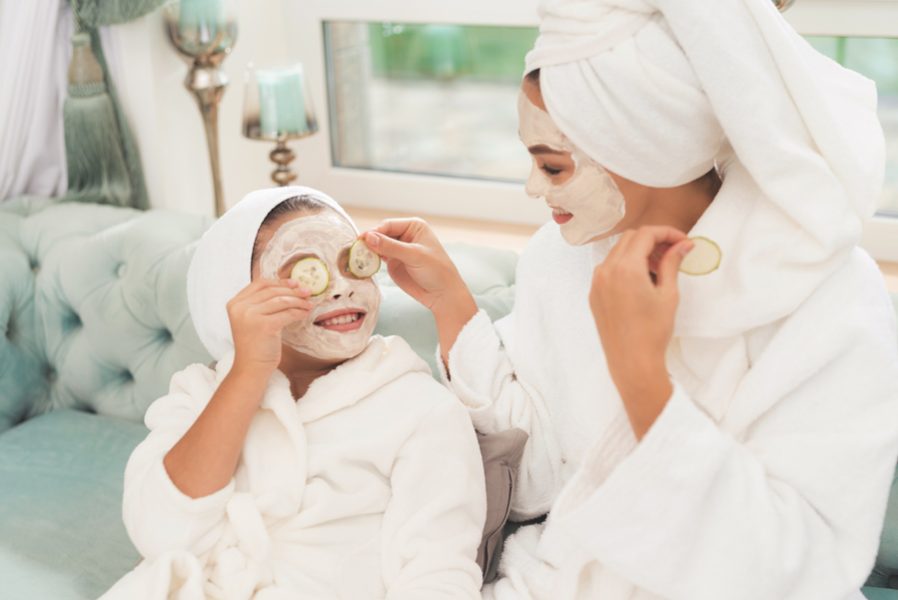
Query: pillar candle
{"points": [[282, 107]]}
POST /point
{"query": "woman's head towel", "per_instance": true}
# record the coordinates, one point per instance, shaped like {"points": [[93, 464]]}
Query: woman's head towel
{"points": [[222, 263], [658, 91]]}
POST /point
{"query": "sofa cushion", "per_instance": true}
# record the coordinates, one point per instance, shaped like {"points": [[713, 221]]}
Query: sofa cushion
{"points": [[94, 311], [96, 314], [61, 532], [872, 593]]}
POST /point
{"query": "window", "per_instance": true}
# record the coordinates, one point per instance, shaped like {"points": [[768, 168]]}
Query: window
{"points": [[420, 100], [876, 58], [436, 99]]}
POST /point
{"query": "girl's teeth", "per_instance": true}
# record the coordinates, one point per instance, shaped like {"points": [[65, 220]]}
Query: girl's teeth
{"points": [[341, 320]]}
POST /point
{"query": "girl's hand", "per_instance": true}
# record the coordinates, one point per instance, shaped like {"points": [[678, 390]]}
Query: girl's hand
{"points": [[258, 313], [419, 265], [635, 315]]}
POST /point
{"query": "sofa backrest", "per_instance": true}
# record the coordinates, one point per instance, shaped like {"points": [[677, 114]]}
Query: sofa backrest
{"points": [[92, 298], [93, 303]]}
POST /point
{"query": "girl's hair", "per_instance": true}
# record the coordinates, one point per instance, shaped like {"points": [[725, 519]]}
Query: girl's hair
{"points": [[306, 205], [533, 76]]}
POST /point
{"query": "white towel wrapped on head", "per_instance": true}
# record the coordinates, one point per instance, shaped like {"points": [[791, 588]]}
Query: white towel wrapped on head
{"points": [[658, 91]]}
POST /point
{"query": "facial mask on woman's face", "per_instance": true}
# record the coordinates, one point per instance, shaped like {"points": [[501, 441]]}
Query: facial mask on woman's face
{"points": [[590, 195], [345, 314]]}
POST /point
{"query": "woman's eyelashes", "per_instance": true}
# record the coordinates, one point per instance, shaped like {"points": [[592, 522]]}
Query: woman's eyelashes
{"points": [[551, 171]]}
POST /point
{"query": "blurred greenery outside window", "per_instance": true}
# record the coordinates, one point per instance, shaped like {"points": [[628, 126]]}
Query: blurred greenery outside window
{"points": [[441, 99]]}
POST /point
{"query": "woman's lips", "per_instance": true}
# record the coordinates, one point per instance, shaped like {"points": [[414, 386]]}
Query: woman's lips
{"points": [[561, 216], [342, 320]]}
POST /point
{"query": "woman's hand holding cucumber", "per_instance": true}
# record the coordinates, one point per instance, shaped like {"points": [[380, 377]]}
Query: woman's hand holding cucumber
{"points": [[634, 313], [420, 266]]}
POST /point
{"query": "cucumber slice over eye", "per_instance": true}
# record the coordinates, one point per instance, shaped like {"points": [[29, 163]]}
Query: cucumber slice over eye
{"points": [[703, 259], [312, 273], [363, 263]]}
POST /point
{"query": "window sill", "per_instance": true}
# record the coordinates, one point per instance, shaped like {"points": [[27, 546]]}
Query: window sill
{"points": [[512, 237]]}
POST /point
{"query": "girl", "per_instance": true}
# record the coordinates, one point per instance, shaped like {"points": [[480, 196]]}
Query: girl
{"points": [[727, 433], [314, 460]]}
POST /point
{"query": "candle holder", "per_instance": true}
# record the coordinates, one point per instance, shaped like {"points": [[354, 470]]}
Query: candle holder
{"points": [[204, 32], [277, 107]]}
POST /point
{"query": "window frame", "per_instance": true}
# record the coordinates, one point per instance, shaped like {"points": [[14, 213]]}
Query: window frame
{"points": [[495, 200]]}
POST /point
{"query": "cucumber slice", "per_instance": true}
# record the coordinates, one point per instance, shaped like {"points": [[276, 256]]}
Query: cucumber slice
{"points": [[703, 259], [312, 273], [363, 263]]}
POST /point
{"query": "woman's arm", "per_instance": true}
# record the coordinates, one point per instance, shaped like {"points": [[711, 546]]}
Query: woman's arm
{"points": [[433, 523], [792, 508], [475, 365], [420, 266], [787, 499]]}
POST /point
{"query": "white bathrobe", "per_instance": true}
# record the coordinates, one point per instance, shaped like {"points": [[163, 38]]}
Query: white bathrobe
{"points": [[765, 477], [371, 486]]}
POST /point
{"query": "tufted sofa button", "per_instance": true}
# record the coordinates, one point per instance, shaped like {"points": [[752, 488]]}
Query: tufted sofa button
{"points": [[165, 336], [127, 375], [120, 270], [72, 320], [50, 374], [35, 266]]}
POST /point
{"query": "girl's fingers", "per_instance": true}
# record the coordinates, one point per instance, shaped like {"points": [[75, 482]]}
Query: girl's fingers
{"points": [[270, 292], [285, 317], [262, 283], [279, 303]]}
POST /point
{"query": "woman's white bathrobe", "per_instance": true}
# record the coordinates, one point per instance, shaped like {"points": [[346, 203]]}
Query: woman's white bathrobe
{"points": [[765, 477], [371, 486]]}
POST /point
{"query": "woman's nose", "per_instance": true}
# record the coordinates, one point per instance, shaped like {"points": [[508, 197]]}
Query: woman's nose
{"points": [[536, 184]]}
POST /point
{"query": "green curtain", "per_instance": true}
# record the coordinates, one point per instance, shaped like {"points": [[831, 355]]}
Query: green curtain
{"points": [[101, 154]]}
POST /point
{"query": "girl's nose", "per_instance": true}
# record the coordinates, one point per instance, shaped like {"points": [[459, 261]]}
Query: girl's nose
{"points": [[340, 287]]}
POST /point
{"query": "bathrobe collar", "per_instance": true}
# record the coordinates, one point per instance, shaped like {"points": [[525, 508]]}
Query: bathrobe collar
{"points": [[384, 360]]}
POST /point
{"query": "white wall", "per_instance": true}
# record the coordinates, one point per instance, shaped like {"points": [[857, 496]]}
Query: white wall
{"points": [[149, 75]]}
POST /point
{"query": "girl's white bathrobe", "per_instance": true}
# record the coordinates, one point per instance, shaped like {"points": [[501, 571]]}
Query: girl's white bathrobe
{"points": [[765, 477], [370, 486]]}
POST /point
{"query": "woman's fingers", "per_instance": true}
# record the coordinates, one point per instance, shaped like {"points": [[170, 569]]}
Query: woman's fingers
{"points": [[388, 248], [404, 230], [669, 266], [645, 239]]}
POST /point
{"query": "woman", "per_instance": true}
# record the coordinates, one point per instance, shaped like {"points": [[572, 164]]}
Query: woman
{"points": [[730, 435], [303, 464]]}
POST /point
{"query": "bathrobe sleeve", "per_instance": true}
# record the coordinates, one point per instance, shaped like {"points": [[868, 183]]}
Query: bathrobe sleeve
{"points": [[158, 516], [790, 508], [481, 374], [433, 523]]}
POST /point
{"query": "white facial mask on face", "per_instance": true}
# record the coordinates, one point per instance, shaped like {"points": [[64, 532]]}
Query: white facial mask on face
{"points": [[590, 195], [328, 237]]}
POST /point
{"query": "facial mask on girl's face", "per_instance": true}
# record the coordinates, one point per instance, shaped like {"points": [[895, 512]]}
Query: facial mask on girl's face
{"points": [[590, 195], [327, 237]]}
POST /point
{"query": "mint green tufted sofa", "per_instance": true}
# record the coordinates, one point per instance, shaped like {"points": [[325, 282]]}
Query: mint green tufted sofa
{"points": [[92, 302], [93, 305]]}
